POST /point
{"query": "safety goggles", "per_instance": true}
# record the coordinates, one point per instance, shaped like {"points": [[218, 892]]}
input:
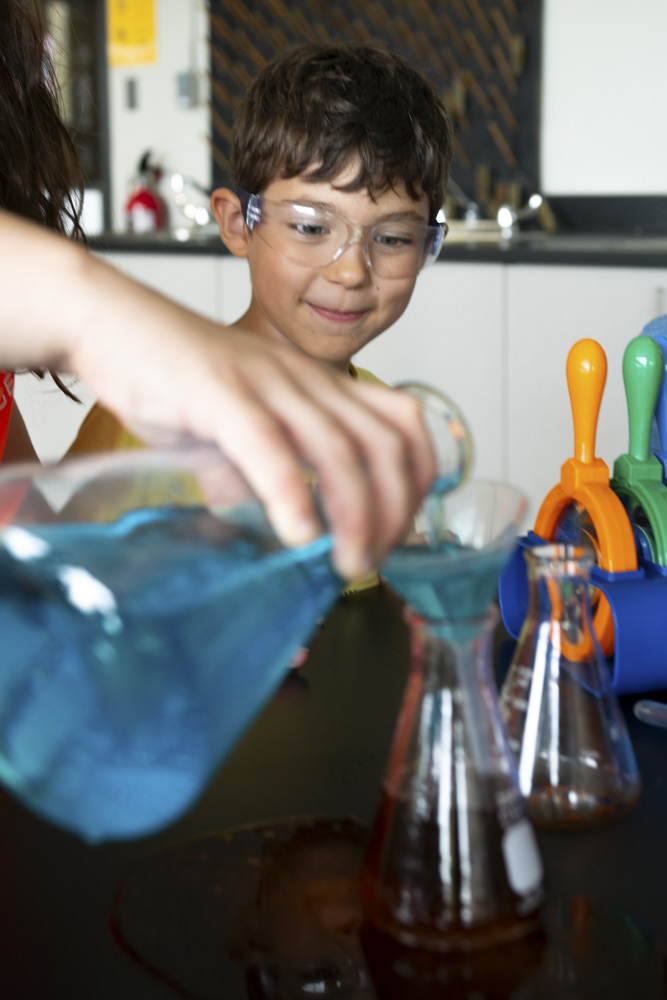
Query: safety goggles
{"points": [[315, 237]]}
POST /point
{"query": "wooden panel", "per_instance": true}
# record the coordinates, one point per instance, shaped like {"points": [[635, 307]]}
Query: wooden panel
{"points": [[482, 56]]}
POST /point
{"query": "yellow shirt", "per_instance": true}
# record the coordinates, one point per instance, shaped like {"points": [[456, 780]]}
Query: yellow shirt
{"points": [[101, 431]]}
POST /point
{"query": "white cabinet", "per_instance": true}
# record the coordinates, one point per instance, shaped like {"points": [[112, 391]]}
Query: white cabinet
{"points": [[232, 284], [189, 279], [549, 308]]}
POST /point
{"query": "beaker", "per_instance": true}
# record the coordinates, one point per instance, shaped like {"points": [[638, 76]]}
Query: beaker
{"points": [[574, 758], [452, 862]]}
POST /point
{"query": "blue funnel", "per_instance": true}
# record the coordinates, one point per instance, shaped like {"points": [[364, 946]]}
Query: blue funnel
{"points": [[448, 569]]}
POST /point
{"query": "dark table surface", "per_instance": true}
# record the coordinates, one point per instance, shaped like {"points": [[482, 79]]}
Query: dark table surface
{"points": [[318, 749]]}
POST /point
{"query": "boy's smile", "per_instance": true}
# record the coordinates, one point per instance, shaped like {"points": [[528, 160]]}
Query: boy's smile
{"points": [[329, 311]]}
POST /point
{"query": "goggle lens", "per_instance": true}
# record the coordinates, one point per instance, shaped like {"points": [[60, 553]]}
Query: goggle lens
{"points": [[315, 237]]}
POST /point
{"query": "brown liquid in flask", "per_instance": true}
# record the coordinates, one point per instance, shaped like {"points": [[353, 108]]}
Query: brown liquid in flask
{"points": [[452, 863], [399, 972]]}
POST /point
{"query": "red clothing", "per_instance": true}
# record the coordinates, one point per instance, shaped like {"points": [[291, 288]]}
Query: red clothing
{"points": [[6, 402]]}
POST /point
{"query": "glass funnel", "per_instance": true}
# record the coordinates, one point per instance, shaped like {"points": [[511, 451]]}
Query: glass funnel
{"points": [[452, 861], [575, 761]]}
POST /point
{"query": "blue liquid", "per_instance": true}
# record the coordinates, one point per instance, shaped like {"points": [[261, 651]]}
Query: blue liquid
{"points": [[442, 581], [136, 654]]}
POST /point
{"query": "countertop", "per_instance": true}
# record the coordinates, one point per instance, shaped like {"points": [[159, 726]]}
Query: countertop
{"points": [[534, 247]]}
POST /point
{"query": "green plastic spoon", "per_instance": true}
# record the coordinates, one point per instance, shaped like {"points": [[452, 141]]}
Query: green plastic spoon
{"points": [[637, 478]]}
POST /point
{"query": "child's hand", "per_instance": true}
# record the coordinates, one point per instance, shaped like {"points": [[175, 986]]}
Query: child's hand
{"points": [[272, 409]]}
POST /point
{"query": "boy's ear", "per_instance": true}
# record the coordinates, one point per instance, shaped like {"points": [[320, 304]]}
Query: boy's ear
{"points": [[228, 213]]}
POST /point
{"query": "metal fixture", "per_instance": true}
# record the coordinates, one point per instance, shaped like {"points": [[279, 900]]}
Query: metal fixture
{"points": [[509, 218], [192, 199]]}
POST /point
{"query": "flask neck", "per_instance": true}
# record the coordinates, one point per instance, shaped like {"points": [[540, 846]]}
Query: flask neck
{"points": [[450, 718], [449, 652], [559, 589]]}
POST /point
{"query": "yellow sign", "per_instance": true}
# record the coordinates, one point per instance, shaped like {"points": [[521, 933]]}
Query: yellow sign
{"points": [[131, 38]]}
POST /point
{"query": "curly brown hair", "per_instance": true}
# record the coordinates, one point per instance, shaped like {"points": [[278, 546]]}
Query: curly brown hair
{"points": [[318, 107], [40, 175]]}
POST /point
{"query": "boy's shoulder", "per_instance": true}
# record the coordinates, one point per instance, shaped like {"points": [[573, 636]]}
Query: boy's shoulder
{"points": [[364, 375]]}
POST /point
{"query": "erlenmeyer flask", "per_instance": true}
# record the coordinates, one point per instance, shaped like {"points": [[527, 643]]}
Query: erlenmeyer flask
{"points": [[575, 761], [452, 861]]}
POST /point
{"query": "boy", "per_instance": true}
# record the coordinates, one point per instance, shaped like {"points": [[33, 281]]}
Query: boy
{"points": [[340, 156]]}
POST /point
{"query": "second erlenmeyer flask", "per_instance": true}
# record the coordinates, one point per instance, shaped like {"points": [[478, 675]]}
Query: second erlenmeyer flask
{"points": [[574, 758]]}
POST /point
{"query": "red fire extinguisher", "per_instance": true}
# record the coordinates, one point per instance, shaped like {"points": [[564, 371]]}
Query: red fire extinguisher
{"points": [[146, 212]]}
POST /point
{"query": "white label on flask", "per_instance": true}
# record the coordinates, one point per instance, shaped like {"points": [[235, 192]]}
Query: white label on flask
{"points": [[522, 858]]}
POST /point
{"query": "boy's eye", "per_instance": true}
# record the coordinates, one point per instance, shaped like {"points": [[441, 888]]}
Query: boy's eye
{"points": [[394, 241], [310, 229]]}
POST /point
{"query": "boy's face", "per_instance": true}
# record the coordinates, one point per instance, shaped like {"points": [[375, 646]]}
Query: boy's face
{"points": [[330, 312]]}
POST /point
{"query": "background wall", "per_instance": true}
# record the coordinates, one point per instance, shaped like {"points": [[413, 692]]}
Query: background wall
{"points": [[604, 88], [482, 58]]}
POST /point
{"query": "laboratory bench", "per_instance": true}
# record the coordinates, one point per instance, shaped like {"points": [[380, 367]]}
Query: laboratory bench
{"points": [[175, 914]]}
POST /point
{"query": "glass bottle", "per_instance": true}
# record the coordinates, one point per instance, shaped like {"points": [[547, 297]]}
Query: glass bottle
{"points": [[452, 861], [575, 761]]}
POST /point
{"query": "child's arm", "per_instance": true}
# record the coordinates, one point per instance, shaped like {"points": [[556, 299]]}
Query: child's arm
{"points": [[268, 406]]}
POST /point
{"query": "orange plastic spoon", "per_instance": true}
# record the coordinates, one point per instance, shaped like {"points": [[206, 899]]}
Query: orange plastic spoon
{"points": [[583, 497]]}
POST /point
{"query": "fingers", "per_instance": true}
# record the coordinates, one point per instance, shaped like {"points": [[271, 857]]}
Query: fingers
{"points": [[270, 430], [325, 443], [257, 443], [364, 467], [399, 456], [369, 449]]}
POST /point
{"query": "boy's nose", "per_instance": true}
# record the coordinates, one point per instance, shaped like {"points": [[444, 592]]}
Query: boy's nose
{"points": [[353, 266]]}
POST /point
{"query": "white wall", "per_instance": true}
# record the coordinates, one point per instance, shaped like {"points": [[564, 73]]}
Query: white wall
{"points": [[604, 97], [178, 136]]}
